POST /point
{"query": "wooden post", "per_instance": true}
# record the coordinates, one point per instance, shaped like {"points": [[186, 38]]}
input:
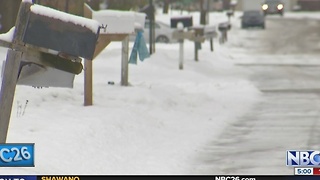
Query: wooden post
{"points": [[196, 51], [11, 71], [181, 54], [88, 82], [225, 32], [226, 35], [8, 87], [124, 62], [151, 27], [87, 67], [211, 44]]}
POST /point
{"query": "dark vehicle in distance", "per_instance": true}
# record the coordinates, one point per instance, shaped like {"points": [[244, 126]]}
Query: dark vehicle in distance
{"points": [[252, 18], [273, 7]]}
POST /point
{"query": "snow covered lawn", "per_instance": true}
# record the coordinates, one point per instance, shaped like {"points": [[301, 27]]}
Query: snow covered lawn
{"points": [[154, 126]]}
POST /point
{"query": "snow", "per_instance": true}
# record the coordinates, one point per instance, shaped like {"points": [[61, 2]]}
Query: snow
{"points": [[28, 1], [66, 17], [154, 126], [181, 16], [119, 22], [8, 37]]}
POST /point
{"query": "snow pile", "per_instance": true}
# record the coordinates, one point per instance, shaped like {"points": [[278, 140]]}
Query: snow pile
{"points": [[8, 37], [119, 22]]}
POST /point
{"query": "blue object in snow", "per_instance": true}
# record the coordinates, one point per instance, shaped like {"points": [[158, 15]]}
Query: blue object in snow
{"points": [[140, 47]]}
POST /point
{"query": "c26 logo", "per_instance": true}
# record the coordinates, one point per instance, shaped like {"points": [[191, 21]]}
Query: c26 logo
{"points": [[17, 155]]}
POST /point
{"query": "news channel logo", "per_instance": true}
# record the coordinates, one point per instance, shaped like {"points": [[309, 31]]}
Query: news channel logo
{"points": [[17, 155], [303, 158]]}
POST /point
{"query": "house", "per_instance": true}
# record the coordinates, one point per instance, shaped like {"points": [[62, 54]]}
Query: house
{"points": [[309, 5]]}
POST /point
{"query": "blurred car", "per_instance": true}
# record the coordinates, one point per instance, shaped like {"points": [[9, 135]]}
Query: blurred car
{"points": [[163, 32], [273, 7], [252, 18]]}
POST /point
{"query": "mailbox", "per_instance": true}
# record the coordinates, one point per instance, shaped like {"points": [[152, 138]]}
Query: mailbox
{"points": [[60, 35], [182, 35], [224, 26], [198, 30], [185, 20], [230, 13], [35, 75], [128, 20], [210, 32], [39, 76], [149, 11]]}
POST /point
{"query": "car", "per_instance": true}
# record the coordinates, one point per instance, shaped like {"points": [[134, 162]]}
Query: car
{"points": [[273, 7], [163, 32], [253, 18]]}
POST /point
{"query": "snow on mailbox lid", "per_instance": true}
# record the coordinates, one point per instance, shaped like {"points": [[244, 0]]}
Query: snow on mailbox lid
{"points": [[119, 22], [62, 32]]}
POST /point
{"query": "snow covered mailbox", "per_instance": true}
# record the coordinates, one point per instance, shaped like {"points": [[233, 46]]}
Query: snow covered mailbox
{"points": [[224, 27], [62, 32], [203, 32], [120, 24], [55, 42]]}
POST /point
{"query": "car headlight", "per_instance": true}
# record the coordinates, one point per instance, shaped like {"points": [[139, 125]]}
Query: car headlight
{"points": [[280, 6], [265, 6]]}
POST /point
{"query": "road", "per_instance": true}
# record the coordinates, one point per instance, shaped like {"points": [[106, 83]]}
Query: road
{"points": [[287, 118]]}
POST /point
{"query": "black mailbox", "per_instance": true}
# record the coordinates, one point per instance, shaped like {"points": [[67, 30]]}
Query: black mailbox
{"points": [[225, 26], [149, 11], [61, 36], [185, 20], [230, 13]]}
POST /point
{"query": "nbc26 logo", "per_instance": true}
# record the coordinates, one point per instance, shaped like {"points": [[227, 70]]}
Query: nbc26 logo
{"points": [[303, 158]]}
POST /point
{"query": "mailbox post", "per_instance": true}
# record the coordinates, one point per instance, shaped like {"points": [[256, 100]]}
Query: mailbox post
{"points": [[210, 33], [181, 49], [68, 39], [113, 32], [11, 71], [198, 38], [224, 28], [229, 14], [125, 61], [180, 23]]}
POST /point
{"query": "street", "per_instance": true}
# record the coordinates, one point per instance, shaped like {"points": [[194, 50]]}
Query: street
{"points": [[287, 118]]}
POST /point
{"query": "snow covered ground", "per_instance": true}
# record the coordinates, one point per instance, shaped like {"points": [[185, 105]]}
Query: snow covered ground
{"points": [[154, 126]]}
